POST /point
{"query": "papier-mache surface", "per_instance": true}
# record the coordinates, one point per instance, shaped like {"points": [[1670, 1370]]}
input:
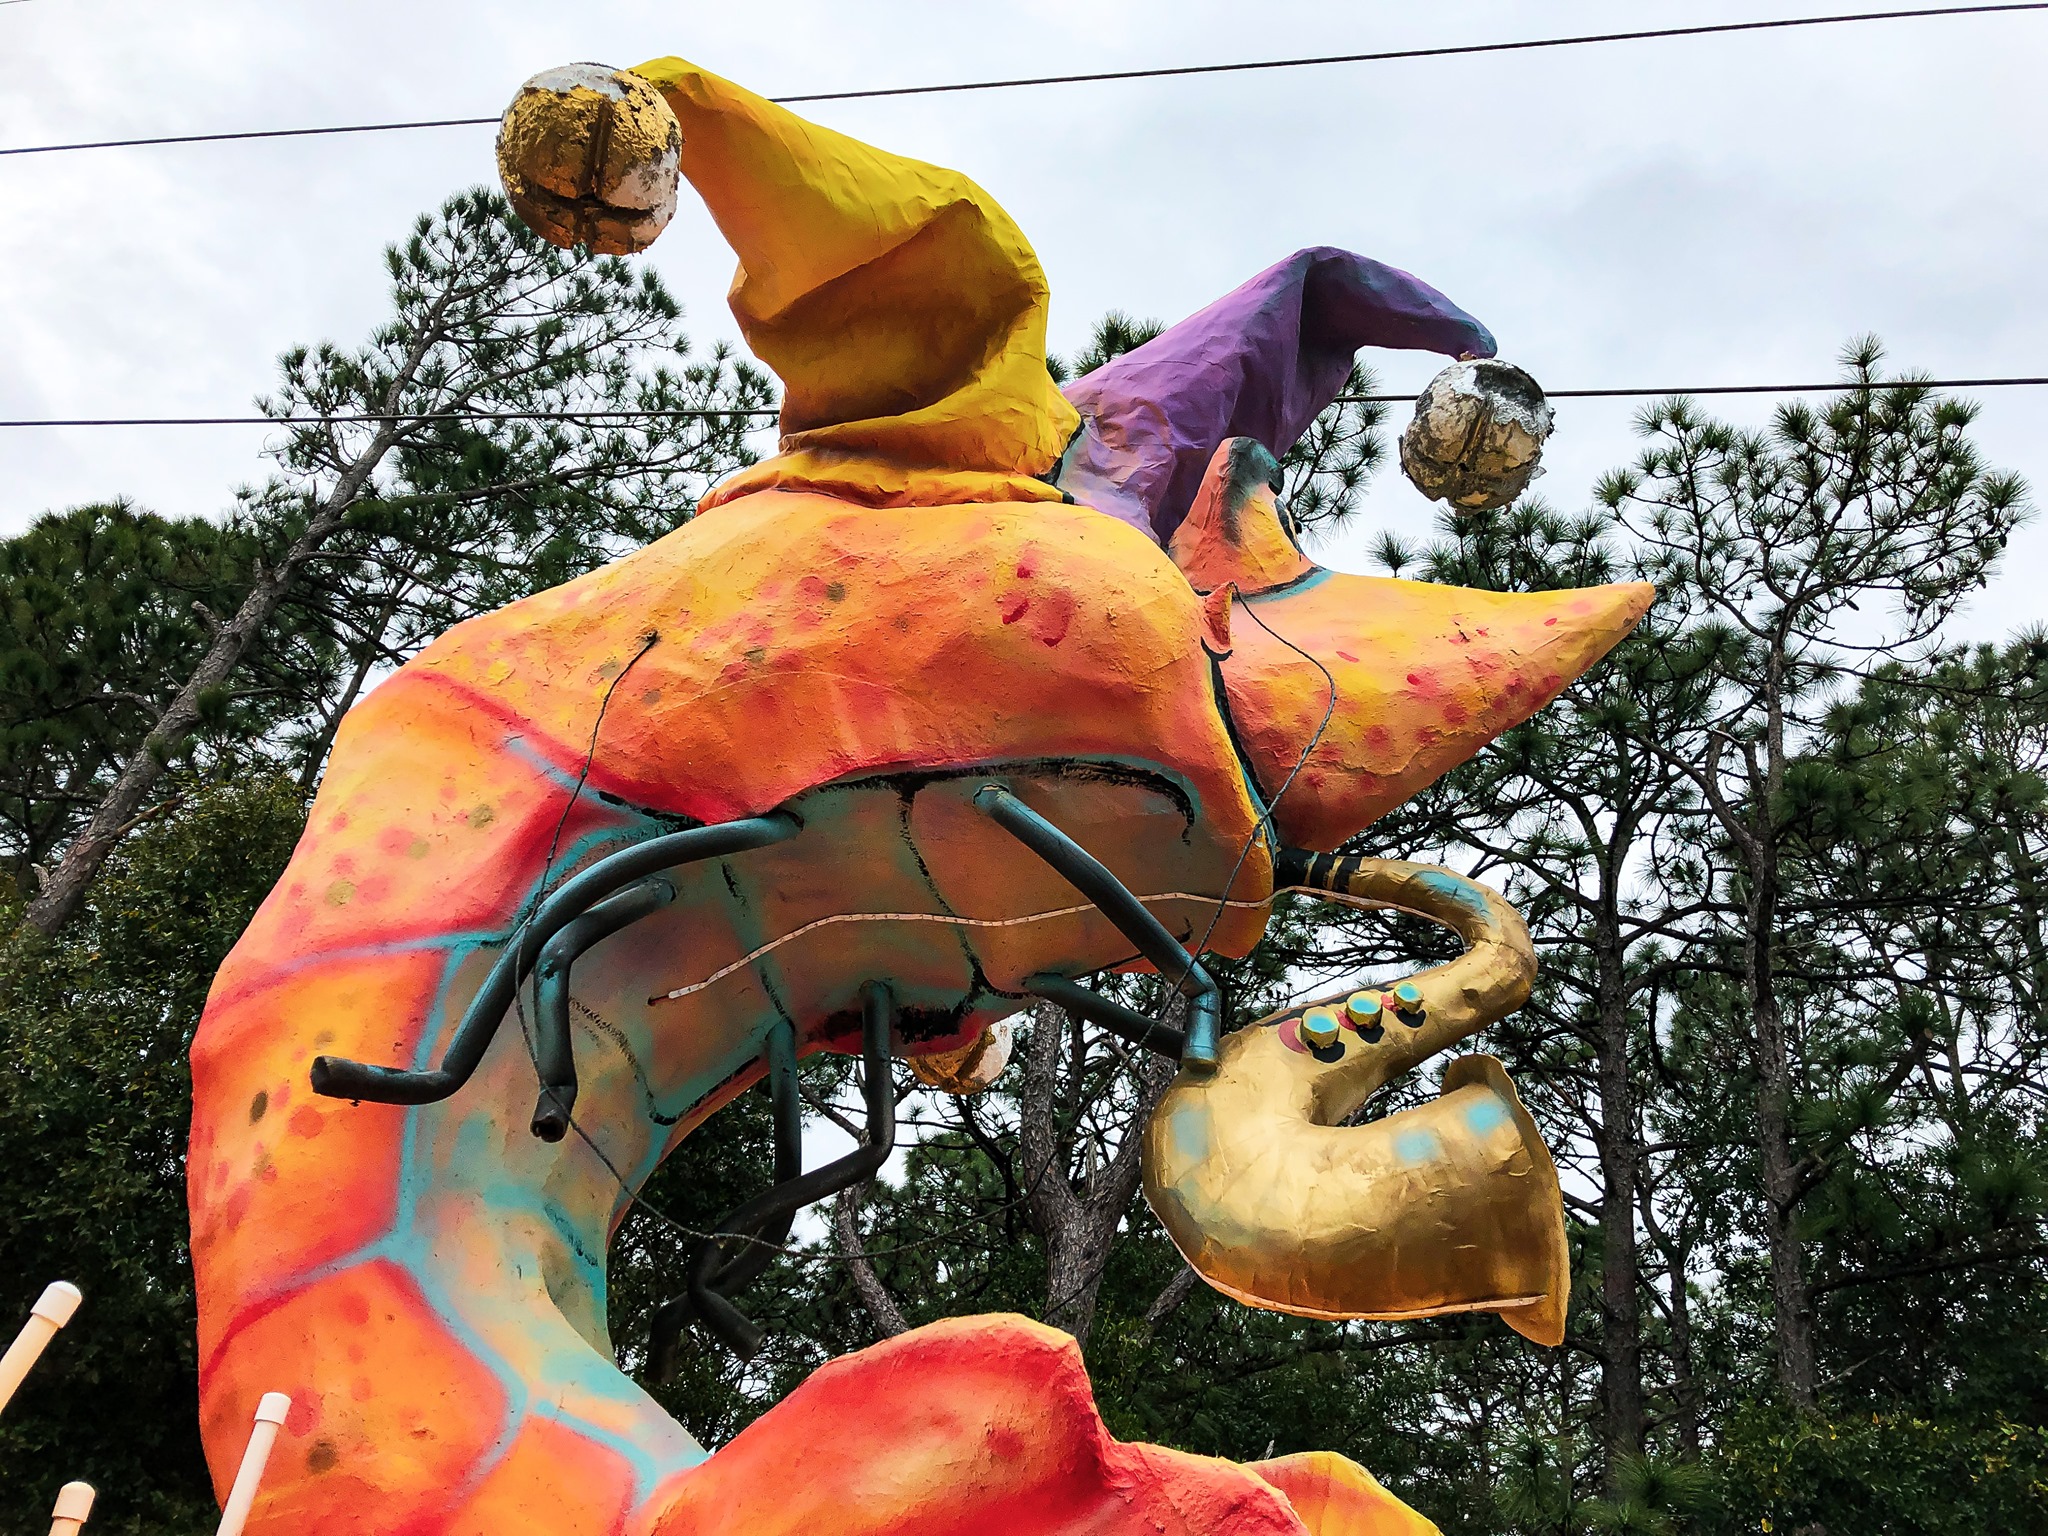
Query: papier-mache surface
{"points": [[943, 581]]}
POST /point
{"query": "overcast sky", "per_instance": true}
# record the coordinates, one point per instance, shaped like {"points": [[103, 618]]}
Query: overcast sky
{"points": [[1661, 213]]}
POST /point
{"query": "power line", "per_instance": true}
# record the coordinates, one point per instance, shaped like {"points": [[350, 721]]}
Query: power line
{"points": [[1458, 50], [1838, 386], [371, 419], [1393, 54], [261, 133]]}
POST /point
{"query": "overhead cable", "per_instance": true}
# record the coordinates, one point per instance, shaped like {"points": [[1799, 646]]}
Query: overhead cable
{"points": [[1389, 55], [1839, 386]]}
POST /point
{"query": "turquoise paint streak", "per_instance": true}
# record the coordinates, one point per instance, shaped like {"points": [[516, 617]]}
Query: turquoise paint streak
{"points": [[411, 1247], [1456, 887], [1417, 1146], [1486, 1115], [1188, 1129]]}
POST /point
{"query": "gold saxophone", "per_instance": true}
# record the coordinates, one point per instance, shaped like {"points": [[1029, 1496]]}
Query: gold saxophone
{"points": [[1450, 1207]]}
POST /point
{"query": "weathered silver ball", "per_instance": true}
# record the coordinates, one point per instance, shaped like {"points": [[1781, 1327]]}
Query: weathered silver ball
{"points": [[1477, 437]]}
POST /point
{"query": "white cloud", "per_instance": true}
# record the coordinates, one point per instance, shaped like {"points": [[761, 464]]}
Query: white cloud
{"points": [[1684, 212]]}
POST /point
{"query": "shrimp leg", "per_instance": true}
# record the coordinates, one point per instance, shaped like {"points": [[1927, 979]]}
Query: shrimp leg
{"points": [[1109, 1014], [756, 1246], [1092, 879], [554, 1056], [338, 1078], [713, 1277]]}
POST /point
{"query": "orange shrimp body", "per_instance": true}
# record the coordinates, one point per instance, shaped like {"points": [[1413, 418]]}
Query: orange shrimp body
{"points": [[428, 1282], [850, 644]]}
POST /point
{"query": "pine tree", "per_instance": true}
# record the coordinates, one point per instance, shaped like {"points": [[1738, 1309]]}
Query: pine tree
{"points": [[465, 440]]}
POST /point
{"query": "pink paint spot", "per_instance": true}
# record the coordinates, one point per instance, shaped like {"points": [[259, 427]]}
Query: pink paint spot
{"points": [[354, 1310], [1026, 570], [1454, 712], [1347, 656], [811, 589], [302, 1418], [307, 1121], [361, 1390], [1549, 621], [1014, 607], [1053, 618]]}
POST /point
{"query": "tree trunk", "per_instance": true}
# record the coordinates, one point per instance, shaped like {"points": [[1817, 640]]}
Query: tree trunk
{"points": [[1168, 1301], [1565, 1459], [373, 646], [881, 1306], [1685, 1390], [1078, 1225], [1753, 830], [1621, 1366], [64, 892], [1791, 1300]]}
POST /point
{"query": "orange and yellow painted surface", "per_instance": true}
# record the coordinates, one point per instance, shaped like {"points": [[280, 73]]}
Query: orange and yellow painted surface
{"points": [[863, 630]]}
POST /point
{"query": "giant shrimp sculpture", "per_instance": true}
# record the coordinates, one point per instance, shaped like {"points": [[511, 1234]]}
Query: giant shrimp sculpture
{"points": [[973, 691]]}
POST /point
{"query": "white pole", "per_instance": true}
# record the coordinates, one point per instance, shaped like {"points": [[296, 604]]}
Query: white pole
{"points": [[269, 1415], [52, 1311], [74, 1503]]}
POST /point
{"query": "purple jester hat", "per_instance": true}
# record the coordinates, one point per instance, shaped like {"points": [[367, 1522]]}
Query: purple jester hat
{"points": [[1260, 362]]}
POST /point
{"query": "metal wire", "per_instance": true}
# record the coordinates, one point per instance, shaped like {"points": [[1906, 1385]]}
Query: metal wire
{"points": [[1383, 56], [368, 419], [626, 1187], [1839, 386]]}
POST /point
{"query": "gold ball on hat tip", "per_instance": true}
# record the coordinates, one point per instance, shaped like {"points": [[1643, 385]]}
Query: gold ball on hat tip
{"points": [[591, 155]]}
